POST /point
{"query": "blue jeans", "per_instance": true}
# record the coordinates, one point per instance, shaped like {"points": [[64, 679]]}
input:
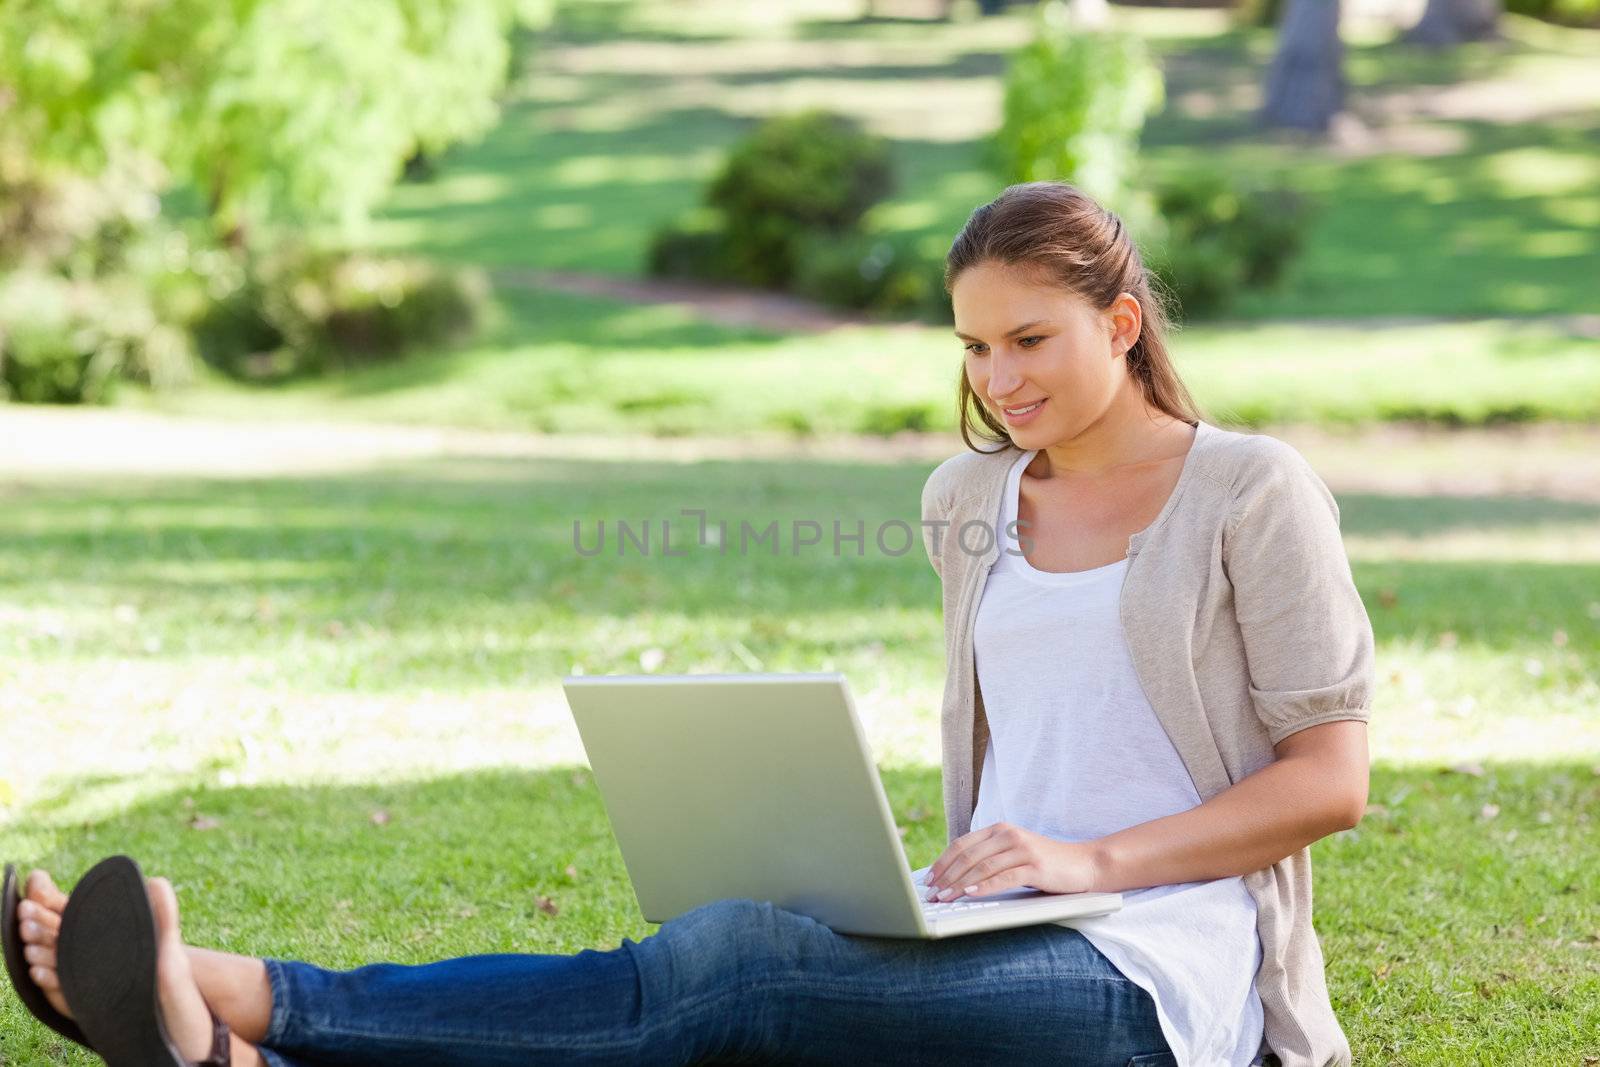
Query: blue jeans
{"points": [[731, 981]]}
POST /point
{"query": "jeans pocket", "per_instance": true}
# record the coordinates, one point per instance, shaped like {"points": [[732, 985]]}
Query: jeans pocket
{"points": [[1154, 1059]]}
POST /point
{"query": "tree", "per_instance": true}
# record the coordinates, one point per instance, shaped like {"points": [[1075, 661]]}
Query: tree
{"points": [[1448, 22], [270, 109], [1305, 85]]}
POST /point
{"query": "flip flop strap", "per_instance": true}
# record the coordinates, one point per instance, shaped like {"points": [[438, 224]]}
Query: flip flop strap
{"points": [[221, 1047]]}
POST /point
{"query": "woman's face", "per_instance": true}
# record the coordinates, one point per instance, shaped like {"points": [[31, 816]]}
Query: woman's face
{"points": [[1044, 363]]}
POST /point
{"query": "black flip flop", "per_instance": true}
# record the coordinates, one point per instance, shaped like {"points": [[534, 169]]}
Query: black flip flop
{"points": [[106, 957], [17, 965]]}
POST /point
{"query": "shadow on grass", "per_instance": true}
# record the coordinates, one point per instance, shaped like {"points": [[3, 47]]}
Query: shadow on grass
{"points": [[1458, 899], [430, 552]]}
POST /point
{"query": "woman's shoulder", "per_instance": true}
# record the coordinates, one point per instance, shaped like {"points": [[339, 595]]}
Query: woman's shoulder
{"points": [[1246, 464], [1266, 477], [964, 475]]}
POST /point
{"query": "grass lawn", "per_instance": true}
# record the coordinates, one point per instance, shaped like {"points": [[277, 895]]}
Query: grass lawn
{"points": [[562, 363], [326, 705]]}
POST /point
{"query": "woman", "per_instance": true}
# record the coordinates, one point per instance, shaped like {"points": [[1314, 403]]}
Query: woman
{"points": [[1159, 679]]}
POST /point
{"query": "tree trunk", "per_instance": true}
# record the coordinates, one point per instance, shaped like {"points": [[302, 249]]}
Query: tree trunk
{"points": [[1305, 84], [1447, 22]]}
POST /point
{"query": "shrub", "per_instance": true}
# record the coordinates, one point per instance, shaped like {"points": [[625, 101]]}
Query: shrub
{"points": [[1567, 12], [784, 213], [693, 246], [1074, 104], [868, 274], [299, 312], [1261, 13], [793, 175], [1219, 236], [796, 422], [377, 308], [885, 419], [66, 341], [815, 169]]}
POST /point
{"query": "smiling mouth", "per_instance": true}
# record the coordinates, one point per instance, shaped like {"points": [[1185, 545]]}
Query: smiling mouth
{"points": [[1024, 409]]}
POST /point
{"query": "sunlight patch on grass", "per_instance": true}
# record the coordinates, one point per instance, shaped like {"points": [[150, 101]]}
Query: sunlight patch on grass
{"points": [[1543, 171]]}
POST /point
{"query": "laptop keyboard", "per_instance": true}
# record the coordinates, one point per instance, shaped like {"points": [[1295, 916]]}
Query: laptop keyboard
{"points": [[945, 907], [932, 907]]}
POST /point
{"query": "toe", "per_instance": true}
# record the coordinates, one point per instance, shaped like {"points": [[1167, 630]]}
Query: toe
{"points": [[38, 924], [182, 1006], [35, 933], [42, 890], [164, 905], [45, 978]]}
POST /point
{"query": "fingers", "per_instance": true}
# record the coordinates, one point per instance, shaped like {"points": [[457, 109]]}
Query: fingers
{"points": [[1006, 871], [1000, 870], [961, 850], [966, 859]]}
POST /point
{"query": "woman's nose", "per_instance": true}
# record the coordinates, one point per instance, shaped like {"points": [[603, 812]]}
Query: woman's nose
{"points": [[1003, 382]]}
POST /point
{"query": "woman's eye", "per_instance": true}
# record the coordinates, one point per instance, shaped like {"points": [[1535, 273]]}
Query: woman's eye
{"points": [[972, 346], [1025, 341]]}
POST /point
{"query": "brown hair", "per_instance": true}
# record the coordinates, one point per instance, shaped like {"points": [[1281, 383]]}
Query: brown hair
{"points": [[1065, 237]]}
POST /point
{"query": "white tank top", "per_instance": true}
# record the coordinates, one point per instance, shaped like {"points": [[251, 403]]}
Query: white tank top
{"points": [[1075, 753]]}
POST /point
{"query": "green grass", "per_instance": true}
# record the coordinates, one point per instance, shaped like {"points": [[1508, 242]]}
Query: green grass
{"points": [[622, 114], [278, 658], [1480, 196], [560, 363]]}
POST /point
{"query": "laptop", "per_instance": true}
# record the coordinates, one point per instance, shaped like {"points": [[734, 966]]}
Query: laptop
{"points": [[763, 787]]}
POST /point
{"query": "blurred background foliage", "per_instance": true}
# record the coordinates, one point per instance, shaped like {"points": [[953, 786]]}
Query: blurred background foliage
{"points": [[264, 191], [159, 161]]}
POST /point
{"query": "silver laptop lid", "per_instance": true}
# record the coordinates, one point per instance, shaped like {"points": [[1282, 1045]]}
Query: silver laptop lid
{"points": [[758, 786]]}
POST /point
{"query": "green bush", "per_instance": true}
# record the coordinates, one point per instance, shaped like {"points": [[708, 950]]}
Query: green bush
{"points": [[693, 246], [795, 177], [1218, 237], [1074, 104], [1566, 12], [868, 274], [377, 308], [66, 341], [814, 169], [883, 420], [1260, 13], [303, 312]]}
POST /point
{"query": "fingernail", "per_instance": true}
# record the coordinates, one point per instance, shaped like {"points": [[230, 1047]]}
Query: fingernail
{"points": [[25, 909], [30, 929], [970, 890], [946, 894]]}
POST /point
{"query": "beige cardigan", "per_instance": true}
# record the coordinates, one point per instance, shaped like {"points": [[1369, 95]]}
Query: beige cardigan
{"points": [[1245, 558]]}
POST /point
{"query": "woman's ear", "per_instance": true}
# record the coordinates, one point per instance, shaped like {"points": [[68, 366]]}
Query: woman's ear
{"points": [[1127, 320]]}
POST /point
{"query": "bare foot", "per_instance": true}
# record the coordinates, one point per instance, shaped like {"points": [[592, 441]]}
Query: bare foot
{"points": [[39, 920], [182, 1007]]}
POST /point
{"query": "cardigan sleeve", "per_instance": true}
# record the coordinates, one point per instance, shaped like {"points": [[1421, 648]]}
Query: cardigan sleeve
{"points": [[932, 517], [1308, 640]]}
